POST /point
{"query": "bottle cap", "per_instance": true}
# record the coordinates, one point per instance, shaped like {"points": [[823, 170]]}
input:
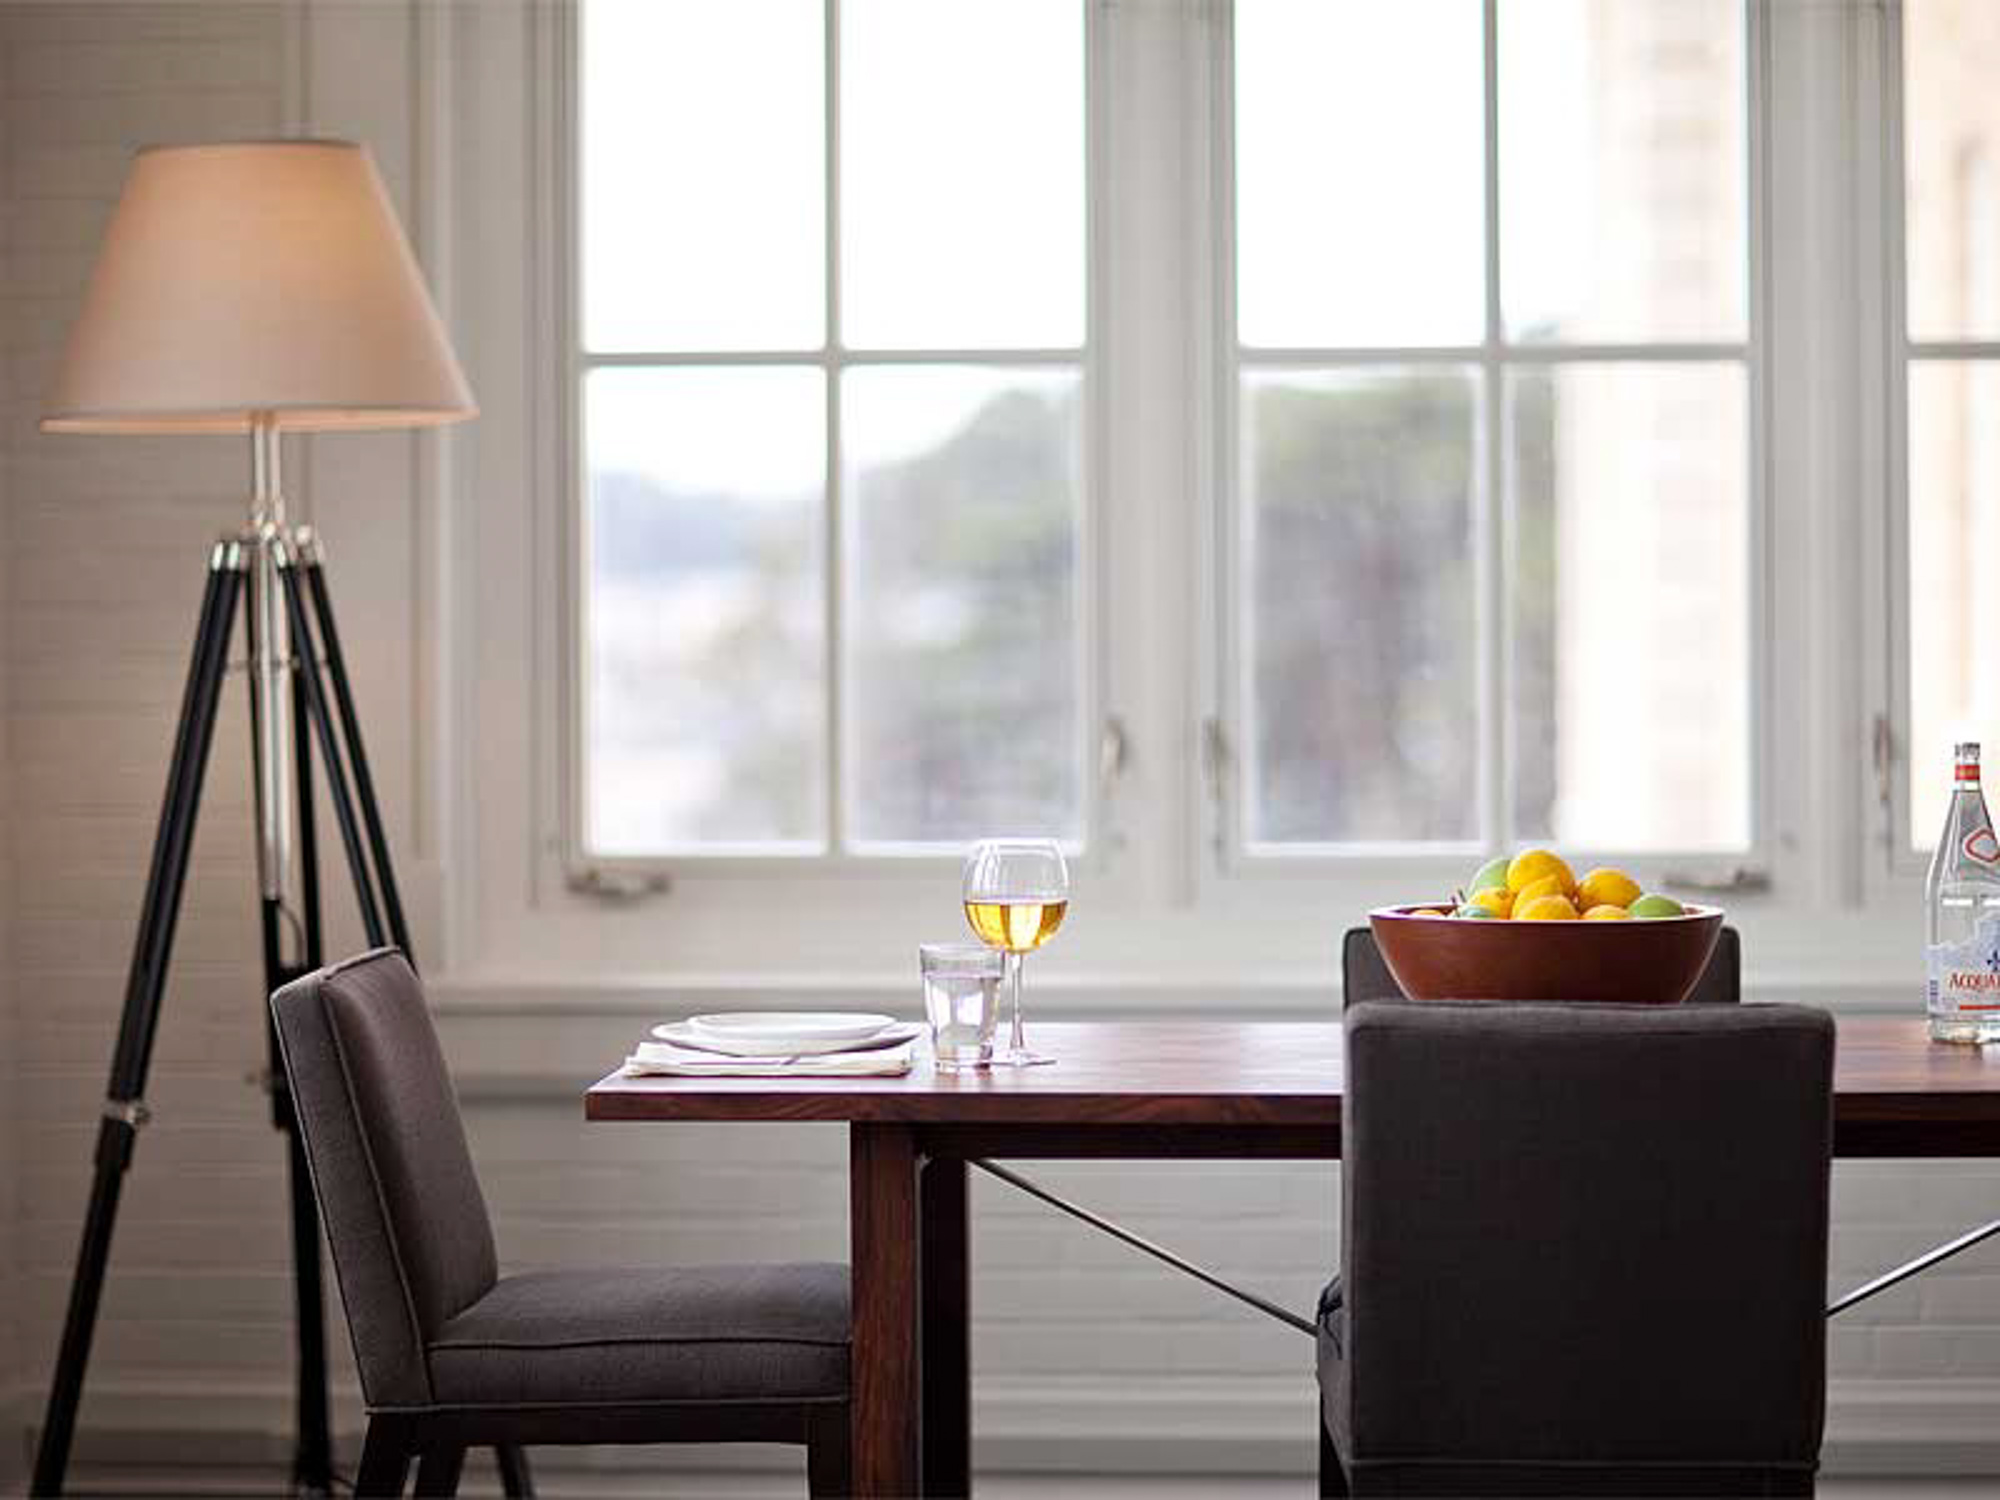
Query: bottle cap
{"points": [[1967, 750]]}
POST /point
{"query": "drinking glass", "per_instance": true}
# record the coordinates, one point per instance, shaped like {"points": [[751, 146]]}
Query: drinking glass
{"points": [[961, 1001], [1016, 895]]}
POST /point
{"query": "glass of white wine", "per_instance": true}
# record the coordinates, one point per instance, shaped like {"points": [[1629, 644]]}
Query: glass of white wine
{"points": [[1016, 896]]}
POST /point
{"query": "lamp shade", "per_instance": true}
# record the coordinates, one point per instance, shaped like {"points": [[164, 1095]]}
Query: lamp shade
{"points": [[256, 277]]}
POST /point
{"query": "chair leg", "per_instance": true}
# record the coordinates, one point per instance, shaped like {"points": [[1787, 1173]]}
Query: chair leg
{"points": [[385, 1458], [1332, 1478], [437, 1474], [829, 1462], [516, 1479]]}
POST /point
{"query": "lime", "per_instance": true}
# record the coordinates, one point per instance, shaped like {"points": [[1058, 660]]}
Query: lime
{"points": [[1656, 906]]}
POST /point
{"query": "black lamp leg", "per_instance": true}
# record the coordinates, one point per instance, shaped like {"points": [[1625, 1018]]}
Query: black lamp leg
{"points": [[313, 692], [312, 1454], [124, 1106], [314, 575]]}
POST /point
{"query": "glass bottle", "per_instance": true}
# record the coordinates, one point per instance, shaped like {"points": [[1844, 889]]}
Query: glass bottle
{"points": [[1962, 915]]}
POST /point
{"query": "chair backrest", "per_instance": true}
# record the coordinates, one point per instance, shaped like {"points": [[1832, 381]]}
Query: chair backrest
{"points": [[405, 1219], [1586, 1233], [1364, 976]]}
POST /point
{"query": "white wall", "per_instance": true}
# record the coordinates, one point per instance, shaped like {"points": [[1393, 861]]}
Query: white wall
{"points": [[1082, 1352]]}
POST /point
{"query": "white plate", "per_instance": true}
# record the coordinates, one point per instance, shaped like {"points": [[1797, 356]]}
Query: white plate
{"points": [[793, 1025], [686, 1034]]}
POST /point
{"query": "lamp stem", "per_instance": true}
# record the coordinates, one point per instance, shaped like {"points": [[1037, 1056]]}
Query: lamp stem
{"points": [[270, 660], [267, 491]]}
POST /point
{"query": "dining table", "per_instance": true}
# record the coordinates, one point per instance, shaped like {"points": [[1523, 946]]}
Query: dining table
{"points": [[1158, 1090]]}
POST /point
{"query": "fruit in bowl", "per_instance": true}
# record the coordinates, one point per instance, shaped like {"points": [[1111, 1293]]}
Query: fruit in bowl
{"points": [[1527, 928]]}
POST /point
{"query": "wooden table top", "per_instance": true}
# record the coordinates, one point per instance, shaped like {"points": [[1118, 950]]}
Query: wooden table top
{"points": [[1260, 1073]]}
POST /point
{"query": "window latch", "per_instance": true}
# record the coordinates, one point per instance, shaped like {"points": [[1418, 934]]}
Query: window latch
{"points": [[1740, 881], [611, 884], [1215, 769], [1884, 760], [1114, 751]]}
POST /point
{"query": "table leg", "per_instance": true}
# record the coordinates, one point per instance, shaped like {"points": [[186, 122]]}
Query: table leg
{"points": [[943, 1265], [883, 1227]]}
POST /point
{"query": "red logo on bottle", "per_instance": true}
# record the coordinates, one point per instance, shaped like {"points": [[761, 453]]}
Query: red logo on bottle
{"points": [[1980, 844]]}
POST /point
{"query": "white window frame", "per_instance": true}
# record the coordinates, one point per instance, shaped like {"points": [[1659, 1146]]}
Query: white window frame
{"points": [[1173, 921], [1894, 721], [1227, 733], [590, 870]]}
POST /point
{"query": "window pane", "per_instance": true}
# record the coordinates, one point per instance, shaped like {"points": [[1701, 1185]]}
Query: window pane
{"points": [[1359, 168], [1951, 166], [962, 174], [1360, 573], [703, 175], [1623, 167], [704, 624], [962, 620], [1954, 440], [1631, 686]]}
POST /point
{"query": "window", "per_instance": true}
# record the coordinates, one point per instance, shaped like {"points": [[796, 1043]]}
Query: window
{"points": [[1489, 500], [1287, 448], [1948, 339], [1493, 355], [830, 380]]}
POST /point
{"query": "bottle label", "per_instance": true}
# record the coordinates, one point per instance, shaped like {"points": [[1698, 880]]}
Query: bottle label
{"points": [[1964, 978]]}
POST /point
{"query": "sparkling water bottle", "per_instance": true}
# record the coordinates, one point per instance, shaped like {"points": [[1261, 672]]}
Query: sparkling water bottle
{"points": [[1962, 910]]}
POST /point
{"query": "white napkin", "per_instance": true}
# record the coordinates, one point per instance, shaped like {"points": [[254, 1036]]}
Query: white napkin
{"points": [[665, 1059]]}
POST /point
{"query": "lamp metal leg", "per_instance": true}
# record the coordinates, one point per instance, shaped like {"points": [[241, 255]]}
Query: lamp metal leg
{"points": [[124, 1108]]}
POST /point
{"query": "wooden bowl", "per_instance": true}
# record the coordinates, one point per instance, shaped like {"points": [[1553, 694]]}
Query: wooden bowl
{"points": [[1651, 962]]}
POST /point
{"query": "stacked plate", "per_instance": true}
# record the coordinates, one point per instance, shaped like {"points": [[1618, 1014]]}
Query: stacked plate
{"points": [[778, 1041], [786, 1033]]}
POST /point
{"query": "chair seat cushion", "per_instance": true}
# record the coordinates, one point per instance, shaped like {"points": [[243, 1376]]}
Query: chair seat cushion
{"points": [[716, 1333]]}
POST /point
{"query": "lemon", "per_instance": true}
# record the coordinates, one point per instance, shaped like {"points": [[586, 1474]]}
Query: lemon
{"points": [[1497, 900], [1607, 912], [1491, 874], [1427, 911], [1550, 908], [1531, 865], [1605, 886], [1534, 890]]}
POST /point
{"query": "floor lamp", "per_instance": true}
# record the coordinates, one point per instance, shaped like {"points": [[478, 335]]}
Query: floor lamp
{"points": [[253, 288]]}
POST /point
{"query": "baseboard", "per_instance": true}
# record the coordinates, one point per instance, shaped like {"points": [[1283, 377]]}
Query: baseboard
{"points": [[1079, 1424], [1912, 1427]]}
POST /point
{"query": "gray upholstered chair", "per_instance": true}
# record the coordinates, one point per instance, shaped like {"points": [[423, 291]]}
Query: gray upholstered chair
{"points": [[1363, 975], [1584, 1251], [451, 1354]]}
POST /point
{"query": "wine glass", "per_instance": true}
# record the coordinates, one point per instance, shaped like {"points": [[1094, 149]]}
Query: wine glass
{"points": [[1016, 895]]}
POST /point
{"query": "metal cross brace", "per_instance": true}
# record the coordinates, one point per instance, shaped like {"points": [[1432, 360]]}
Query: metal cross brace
{"points": [[1904, 1272], [1841, 1304], [1270, 1309], [1146, 1246]]}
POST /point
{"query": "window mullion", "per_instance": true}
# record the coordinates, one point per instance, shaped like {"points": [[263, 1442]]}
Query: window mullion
{"points": [[835, 676], [1765, 728], [1493, 532]]}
